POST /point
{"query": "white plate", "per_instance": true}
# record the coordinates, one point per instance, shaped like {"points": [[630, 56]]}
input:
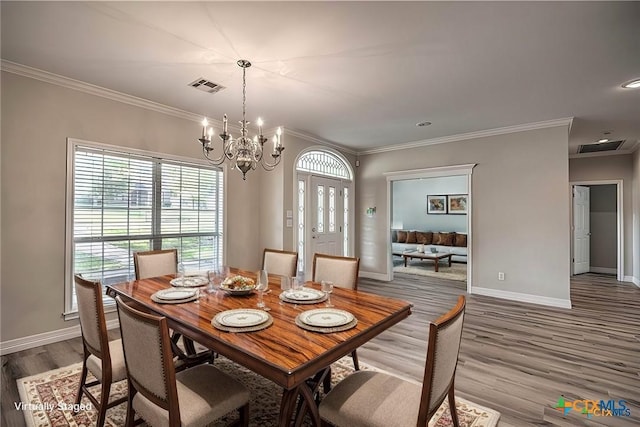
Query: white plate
{"points": [[326, 317], [303, 294], [175, 294], [242, 317], [191, 281]]}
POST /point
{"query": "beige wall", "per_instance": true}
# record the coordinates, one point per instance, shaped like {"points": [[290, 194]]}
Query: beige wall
{"points": [[611, 168], [636, 216], [37, 118], [520, 200]]}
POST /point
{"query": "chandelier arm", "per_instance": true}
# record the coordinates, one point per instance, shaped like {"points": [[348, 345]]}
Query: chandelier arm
{"points": [[217, 162], [270, 166]]}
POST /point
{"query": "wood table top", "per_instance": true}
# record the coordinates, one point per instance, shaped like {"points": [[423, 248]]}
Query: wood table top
{"points": [[283, 352]]}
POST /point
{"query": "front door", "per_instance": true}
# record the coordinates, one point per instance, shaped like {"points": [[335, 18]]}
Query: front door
{"points": [[325, 217], [581, 231]]}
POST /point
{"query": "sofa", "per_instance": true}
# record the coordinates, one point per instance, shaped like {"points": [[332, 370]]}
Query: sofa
{"points": [[448, 242]]}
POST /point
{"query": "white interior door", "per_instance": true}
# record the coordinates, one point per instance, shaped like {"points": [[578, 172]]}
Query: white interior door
{"points": [[325, 217], [581, 233]]}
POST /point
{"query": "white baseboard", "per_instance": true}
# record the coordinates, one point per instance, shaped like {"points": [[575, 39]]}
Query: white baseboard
{"points": [[377, 276], [516, 296], [632, 279], [19, 344], [603, 270]]}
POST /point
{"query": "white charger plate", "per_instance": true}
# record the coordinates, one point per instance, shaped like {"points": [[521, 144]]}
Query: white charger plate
{"points": [[189, 282], [175, 294], [303, 294], [326, 317], [242, 317]]}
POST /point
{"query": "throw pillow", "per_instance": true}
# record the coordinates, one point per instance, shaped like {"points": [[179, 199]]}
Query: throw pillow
{"points": [[411, 237], [402, 236], [461, 240], [424, 237], [436, 239], [394, 236], [444, 238]]}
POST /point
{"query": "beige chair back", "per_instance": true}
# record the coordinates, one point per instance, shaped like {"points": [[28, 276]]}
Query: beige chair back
{"points": [[281, 263], [442, 358], [91, 313], [148, 356], [342, 271], [155, 263]]}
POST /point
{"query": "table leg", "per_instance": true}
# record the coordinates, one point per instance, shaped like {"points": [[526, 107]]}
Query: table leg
{"points": [[450, 260], [307, 404], [437, 262], [405, 260]]}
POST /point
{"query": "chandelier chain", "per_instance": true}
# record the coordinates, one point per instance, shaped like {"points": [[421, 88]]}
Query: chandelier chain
{"points": [[244, 100]]}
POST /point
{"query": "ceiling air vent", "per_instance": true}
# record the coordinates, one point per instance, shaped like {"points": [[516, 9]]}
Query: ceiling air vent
{"points": [[602, 146], [206, 86]]}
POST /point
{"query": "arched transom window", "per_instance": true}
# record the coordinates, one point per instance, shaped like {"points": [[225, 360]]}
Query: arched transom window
{"points": [[323, 163]]}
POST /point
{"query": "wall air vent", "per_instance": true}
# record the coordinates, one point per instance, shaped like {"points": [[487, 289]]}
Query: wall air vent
{"points": [[206, 85], [599, 147]]}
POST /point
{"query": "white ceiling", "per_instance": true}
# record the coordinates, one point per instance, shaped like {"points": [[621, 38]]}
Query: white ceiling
{"points": [[358, 74]]}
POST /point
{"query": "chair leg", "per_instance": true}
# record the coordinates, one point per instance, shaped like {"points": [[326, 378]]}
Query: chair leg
{"points": [[244, 415], [83, 378], [104, 402], [130, 411], [354, 356], [452, 407]]}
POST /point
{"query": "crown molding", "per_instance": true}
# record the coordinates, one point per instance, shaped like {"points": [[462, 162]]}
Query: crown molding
{"points": [[472, 135], [56, 79]]}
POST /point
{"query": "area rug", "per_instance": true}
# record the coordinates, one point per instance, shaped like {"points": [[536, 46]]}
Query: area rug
{"points": [[457, 271], [47, 400]]}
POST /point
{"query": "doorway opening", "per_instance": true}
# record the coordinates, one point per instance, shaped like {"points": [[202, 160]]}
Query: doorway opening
{"points": [[324, 206], [462, 206], [597, 238]]}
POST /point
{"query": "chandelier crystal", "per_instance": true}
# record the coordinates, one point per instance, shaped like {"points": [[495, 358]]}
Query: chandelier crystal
{"points": [[244, 152]]}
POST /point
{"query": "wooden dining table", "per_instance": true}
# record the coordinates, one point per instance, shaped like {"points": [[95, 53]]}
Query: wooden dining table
{"points": [[284, 353]]}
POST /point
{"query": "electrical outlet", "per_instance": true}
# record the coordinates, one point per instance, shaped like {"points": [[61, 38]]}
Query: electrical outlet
{"points": [[500, 275]]}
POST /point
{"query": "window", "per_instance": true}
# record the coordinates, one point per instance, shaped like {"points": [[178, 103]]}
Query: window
{"points": [[120, 202]]}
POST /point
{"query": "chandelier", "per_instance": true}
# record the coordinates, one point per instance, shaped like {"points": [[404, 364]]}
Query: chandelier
{"points": [[245, 153]]}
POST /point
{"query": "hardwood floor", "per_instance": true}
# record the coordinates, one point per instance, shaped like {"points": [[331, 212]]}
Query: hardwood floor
{"points": [[519, 358], [516, 358]]}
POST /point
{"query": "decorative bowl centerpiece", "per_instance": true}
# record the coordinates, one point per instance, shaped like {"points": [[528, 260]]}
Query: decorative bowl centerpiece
{"points": [[238, 285]]}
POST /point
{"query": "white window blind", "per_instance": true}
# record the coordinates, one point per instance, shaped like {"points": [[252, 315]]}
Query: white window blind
{"points": [[124, 202]]}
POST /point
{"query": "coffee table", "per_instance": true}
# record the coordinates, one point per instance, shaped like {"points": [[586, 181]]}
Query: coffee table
{"points": [[427, 255]]}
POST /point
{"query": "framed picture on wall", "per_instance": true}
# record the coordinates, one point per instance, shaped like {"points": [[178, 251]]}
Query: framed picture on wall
{"points": [[436, 204], [457, 204]]}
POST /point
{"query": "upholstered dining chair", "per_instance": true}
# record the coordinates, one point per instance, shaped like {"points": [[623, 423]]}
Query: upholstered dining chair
{"points": [[104, 359], [343, 272], [159, 263], [281, 263], [194, 397], [155, 263], [368, 398]]}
